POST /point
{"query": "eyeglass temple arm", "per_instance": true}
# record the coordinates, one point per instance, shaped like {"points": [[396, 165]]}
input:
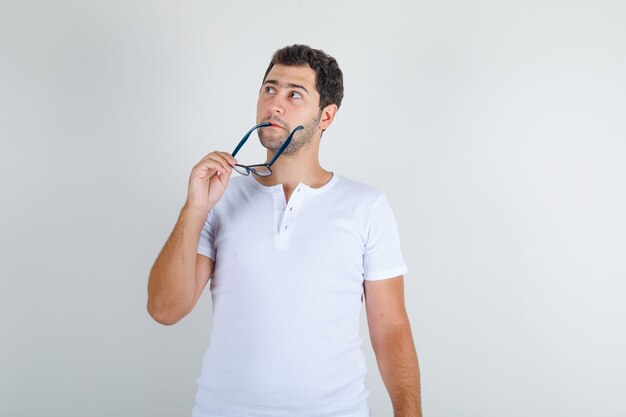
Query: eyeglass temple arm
{"points": [[247, 135], [282, 148]]}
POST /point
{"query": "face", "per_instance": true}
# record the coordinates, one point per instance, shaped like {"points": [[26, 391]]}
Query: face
{"points": [[289, 98]]}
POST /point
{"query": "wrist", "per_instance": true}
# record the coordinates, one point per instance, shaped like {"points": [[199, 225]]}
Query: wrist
{"points": [[193, 211]]}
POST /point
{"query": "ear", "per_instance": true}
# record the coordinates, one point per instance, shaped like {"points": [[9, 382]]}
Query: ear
{"points": [[328, 115]]}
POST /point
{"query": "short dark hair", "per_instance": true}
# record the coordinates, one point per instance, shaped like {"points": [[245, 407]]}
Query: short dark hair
{"points": [[328, 75]]}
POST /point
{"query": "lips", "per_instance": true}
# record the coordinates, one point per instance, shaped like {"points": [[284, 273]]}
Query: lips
{"points": [[274, 124]]}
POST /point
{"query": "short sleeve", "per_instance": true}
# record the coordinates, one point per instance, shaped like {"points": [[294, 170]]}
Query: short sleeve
{"points": [[206, 242], [382, 258]]}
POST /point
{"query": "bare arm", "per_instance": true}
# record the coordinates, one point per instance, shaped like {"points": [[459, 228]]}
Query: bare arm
{"points": [[179, 274], [392, 341]]}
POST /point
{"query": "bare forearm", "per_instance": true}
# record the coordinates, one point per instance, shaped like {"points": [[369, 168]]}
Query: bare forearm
{"points": [[172, 283], [399, 369]]}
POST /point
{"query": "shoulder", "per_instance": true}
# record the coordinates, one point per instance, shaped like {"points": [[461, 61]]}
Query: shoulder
{"points": [[239, 181], [239, 189], [238, 185], [358, 192], [355, 200]]}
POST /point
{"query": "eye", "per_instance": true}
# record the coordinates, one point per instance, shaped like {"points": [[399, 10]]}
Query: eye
{"points": [[269, 90], [295, 94]]}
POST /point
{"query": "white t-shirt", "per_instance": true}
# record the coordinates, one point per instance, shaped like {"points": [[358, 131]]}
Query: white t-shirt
{"points": [[287, 294]]}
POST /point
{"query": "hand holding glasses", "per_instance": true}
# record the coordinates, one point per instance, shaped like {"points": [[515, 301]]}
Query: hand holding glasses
{"points": [[261, 170]]}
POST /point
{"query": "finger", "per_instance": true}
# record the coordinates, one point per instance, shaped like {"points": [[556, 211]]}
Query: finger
{"points": [[228, 157], [222, 163], [208, 167]]}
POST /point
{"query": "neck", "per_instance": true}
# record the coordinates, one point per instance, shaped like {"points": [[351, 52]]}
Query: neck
{"points": [[290, 170]]}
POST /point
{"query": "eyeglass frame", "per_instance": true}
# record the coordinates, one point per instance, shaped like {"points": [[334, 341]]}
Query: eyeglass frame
{"points": [[266, 165]]}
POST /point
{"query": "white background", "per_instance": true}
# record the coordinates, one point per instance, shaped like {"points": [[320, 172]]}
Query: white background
{"points": [[496, 128]]}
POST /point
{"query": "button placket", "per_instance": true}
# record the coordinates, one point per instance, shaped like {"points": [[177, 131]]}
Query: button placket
{"points": [[288, 216], [279, 204]]}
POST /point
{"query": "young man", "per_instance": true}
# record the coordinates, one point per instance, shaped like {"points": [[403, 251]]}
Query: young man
{"points": [[290, 257]]}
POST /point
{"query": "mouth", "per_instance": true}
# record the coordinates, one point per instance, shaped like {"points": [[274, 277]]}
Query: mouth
{"points": [[275, 125]]}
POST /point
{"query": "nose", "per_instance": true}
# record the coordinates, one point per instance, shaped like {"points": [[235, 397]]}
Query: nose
{"points": [[277, 106]]}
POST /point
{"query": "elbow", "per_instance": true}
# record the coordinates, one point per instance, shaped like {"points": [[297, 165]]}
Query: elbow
{"points": [[163, 316], [166, 305]]}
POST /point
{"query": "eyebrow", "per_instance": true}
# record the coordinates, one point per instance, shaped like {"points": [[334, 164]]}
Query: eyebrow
{"points": [[288, 85]]}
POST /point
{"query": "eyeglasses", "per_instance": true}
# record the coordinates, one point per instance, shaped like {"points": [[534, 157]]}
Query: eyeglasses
{"points": [[261, 170]]}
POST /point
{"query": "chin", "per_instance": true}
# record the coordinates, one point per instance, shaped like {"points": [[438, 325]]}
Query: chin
{"points": [[273, 135]]}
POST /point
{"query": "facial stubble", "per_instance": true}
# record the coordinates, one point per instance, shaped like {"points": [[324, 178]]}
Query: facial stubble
{"points": [[300, 139]]}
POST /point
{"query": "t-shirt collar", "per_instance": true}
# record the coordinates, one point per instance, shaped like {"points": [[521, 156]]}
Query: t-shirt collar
{"points": [[271, 188]]}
